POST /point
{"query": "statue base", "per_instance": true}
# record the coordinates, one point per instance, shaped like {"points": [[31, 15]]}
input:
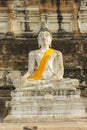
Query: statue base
{"points": [[46, 102], [45, 118]]}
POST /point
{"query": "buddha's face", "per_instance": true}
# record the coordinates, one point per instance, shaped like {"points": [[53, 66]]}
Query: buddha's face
{"points": [[44, 38]]}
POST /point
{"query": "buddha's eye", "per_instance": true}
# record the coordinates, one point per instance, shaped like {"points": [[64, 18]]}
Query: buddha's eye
{"points": [[41, 35], [47, 35]]}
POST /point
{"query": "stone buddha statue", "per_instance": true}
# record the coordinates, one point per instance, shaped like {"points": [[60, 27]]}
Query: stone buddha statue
{"points": [[44, 63], [45, 67], [43, 94]]}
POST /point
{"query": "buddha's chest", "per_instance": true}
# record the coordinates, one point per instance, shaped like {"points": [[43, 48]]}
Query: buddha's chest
{"points": [[40, 56]]}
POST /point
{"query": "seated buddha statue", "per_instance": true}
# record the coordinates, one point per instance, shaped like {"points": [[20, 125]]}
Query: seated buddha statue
{"points": [[45, 68], [45, 63]]}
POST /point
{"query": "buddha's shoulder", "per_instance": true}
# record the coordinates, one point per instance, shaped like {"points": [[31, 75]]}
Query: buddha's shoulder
{"points": [[34, 52], [58, 52]]}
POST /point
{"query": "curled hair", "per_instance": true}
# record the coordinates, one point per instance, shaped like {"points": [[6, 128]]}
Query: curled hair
{"points": [[43, 29]]}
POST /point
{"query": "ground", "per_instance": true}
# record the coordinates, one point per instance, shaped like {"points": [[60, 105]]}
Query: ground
{"points": [[45, 126]]}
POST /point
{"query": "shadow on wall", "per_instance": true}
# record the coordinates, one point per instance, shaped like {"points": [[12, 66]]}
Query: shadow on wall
{"points": [[3, 2]]}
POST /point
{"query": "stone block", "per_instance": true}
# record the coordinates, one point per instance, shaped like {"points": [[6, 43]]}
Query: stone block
{"points": [[45, 103]]}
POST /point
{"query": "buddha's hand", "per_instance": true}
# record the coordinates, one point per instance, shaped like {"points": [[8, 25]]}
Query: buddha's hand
{"points": [[27, 74]]}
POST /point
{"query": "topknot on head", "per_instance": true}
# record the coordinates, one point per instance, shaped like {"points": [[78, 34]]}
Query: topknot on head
{"points": [[44, 27]]}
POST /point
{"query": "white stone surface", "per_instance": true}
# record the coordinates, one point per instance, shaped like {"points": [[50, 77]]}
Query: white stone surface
{"points": [[15, 77], [65, 84], [83, 17], [45, 103], [54, 68], [4, 22]]}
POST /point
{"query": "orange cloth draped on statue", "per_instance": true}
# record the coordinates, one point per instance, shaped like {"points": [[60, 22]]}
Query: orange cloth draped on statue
{"points": [[38, 74]]}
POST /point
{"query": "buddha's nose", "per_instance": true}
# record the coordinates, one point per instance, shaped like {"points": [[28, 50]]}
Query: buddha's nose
{"points": [[44, 37]]}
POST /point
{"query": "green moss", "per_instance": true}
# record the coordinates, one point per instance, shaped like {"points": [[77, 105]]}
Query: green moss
{"points": [[18, 67]]}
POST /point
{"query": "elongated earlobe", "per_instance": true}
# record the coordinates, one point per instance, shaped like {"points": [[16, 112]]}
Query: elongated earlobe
{"points": [[50, 45], [39, 45], [51, 42]]}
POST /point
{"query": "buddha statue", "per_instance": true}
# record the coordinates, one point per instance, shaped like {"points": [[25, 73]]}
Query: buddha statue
{"points": [[42, 93], [44, 63], [45, 67]]}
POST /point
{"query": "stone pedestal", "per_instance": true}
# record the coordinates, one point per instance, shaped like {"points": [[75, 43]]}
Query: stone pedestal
{"points": [[46, 103]]}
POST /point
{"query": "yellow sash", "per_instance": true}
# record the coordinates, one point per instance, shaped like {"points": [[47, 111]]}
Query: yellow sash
{"points": [[38, 74]]}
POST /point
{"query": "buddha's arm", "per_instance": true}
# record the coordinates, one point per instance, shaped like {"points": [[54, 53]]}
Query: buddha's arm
{"points": [[31, 62], [59, 69], [30, 66]]}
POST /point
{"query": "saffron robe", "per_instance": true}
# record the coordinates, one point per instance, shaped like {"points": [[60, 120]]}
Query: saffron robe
{"points": [[38, 74]]}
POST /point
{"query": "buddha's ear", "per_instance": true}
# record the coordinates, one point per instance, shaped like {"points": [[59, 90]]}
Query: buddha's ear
{"points": [[51, 41], [50, 45], [39, 46]]}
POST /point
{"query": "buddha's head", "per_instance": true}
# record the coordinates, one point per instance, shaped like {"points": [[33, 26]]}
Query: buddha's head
{"points": [[44, 38]]}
